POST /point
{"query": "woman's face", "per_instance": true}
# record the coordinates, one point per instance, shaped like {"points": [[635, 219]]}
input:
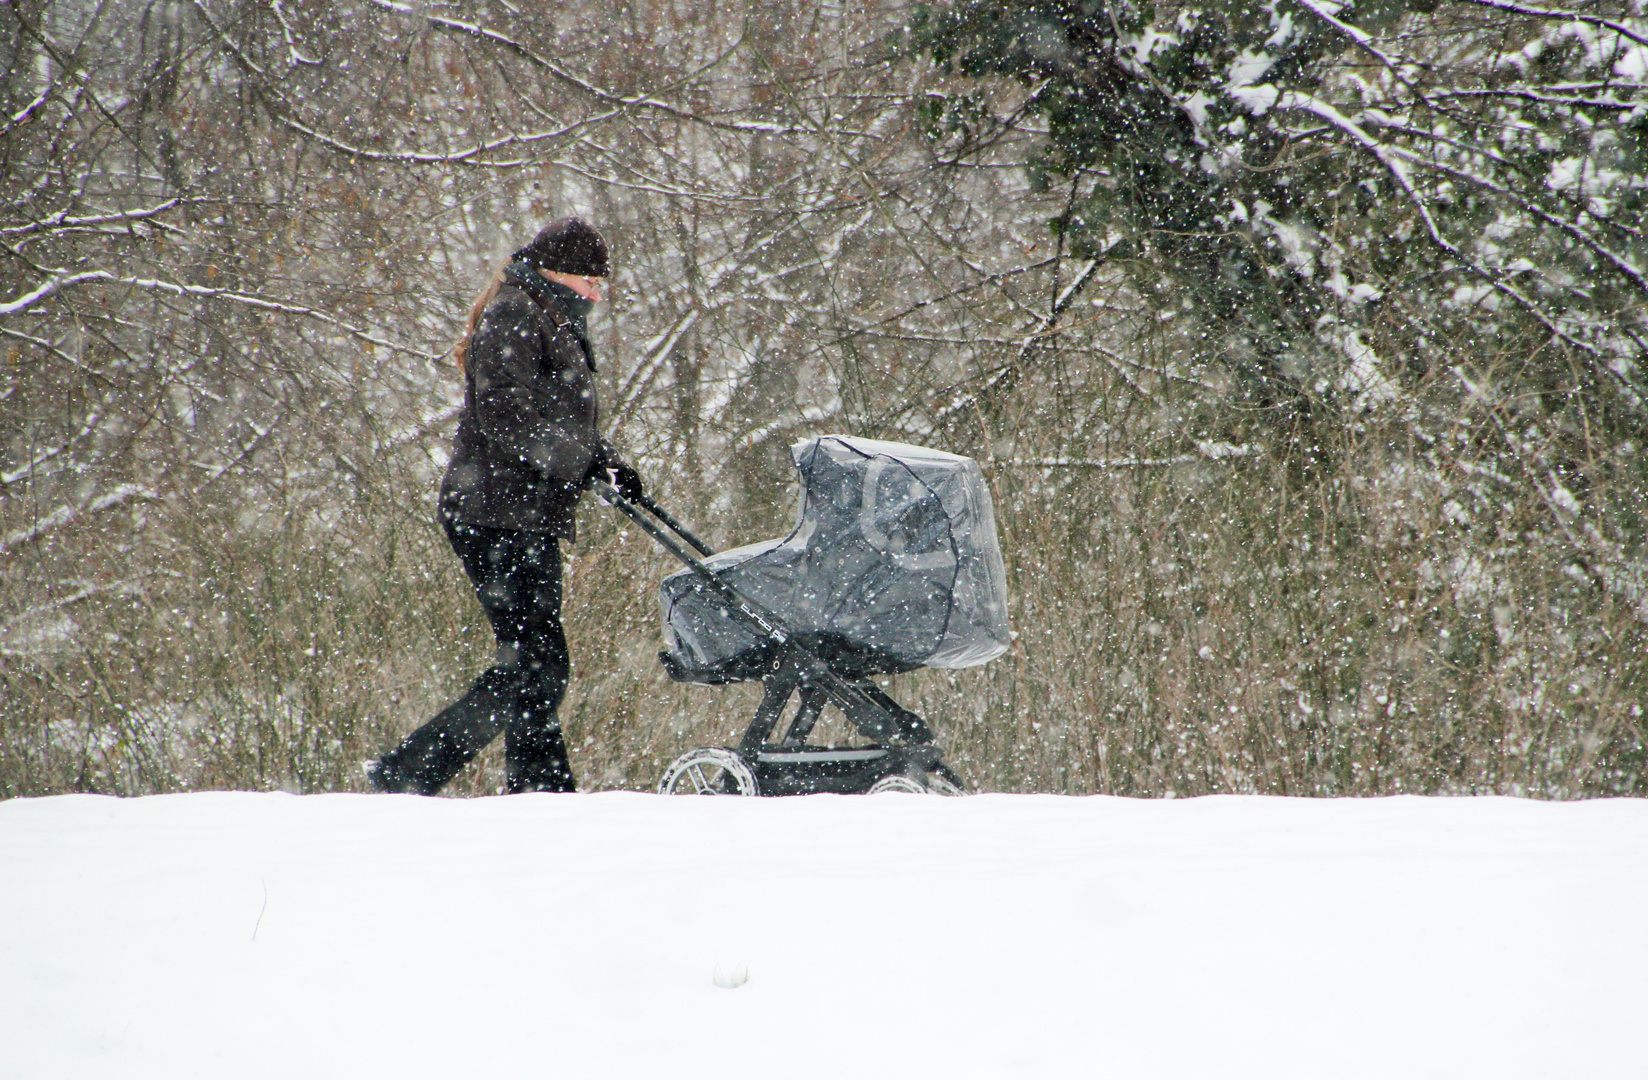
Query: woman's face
{"points": [[587, 287]]}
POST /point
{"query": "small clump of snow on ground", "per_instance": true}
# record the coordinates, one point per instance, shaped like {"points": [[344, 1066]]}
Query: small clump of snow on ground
{"points": [[629, 935]]}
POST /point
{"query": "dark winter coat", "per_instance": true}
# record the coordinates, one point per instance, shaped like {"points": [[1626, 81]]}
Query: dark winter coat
{"points": [[527, 433]]}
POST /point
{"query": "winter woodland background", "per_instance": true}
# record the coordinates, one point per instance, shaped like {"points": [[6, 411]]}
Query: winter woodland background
{"points": [[1302, 343]]}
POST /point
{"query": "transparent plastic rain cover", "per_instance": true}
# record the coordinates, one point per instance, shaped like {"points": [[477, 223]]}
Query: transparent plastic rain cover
{"points": [[893, 565]]}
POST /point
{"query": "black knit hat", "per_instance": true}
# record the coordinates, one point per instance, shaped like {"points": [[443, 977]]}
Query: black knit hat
{"points": [[568, 245]]}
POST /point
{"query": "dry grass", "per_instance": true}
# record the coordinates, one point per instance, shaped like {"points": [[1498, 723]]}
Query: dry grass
{"points": [[1220, 641], [1206, 627]]}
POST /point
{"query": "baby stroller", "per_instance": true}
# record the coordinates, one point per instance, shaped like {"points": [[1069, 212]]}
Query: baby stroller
{"points": [[893, 565]]}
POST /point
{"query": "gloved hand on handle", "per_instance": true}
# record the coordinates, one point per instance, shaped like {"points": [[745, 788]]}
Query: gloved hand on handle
{"points": [[606, 465]]}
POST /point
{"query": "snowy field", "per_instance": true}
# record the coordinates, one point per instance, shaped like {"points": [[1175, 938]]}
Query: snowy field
{"points": [[243, 935]]}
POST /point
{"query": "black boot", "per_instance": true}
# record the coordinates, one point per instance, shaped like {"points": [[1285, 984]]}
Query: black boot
{"points": [[386, 777], [535, 757], [430, 756]]}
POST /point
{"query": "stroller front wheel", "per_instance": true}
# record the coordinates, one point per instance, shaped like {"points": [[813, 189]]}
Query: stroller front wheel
{"points": [[898, 782], [708, 771], [940, 781]]}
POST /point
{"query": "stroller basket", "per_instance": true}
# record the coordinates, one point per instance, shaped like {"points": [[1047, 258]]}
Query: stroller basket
{"points": [[893, 565]]}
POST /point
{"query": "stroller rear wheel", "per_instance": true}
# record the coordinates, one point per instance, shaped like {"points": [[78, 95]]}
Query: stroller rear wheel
{"points": [[708, 771]]}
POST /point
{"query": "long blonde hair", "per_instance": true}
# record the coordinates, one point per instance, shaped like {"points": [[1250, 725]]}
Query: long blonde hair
{"points": [[460, 351]]}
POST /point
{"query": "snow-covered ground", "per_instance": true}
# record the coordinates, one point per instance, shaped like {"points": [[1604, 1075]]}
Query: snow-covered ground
{"points": [[242, 935]]}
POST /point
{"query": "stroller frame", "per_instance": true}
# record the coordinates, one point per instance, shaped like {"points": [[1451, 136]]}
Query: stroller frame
{"points": [[902, 757]]}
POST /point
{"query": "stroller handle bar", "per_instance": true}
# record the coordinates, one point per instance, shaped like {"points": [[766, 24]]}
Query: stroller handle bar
{"points": [[763, 620], [679, 529], [860, 707]]}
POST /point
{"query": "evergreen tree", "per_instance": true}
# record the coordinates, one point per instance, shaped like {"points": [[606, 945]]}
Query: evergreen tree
{"points": [[1341, 190]]}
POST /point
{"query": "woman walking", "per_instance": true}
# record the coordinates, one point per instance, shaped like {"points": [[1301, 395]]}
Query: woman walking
{"points": [[525, 448]]}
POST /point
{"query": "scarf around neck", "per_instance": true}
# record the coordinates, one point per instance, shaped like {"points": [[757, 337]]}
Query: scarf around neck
{"points": [[573, 306]]}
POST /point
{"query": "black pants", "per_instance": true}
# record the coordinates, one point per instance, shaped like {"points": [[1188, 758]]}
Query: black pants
{"points": [[517, 577]]}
